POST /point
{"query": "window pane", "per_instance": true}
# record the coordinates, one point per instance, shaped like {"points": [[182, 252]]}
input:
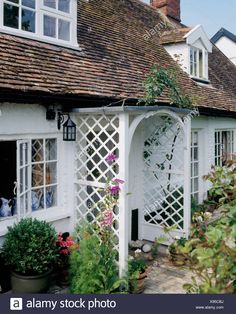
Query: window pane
{"points": [[28, 20], [195, 169], [51, 173], [29, 3], [63, 30], [37, 150], [191, 61], [49, 26], [51, 197], [64, 5], [14, 1], [37, 175], [200, 64], [11, 16], [195, 63], [50, 3], [195, 154], [36, 199], [51, 149]]}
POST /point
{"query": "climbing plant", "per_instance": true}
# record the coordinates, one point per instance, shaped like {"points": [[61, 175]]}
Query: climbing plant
{"points": [[161, 79]]}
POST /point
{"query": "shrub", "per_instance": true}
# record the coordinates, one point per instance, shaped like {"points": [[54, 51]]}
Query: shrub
{"points": [[93, 268], [213, 258], [29, 247], [223, 179]]}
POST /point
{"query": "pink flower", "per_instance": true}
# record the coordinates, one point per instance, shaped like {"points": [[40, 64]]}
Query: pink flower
{"points": [[64, 252], [111, 157], [107, 219], [114, 190], [118, 181]]}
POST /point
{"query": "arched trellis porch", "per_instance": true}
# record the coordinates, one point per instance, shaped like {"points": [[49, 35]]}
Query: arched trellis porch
{"points": [[126, 131]]}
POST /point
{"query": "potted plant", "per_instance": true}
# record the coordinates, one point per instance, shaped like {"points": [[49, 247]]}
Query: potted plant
{"points": [[65, 243], [136, 274], [175, 249], [30, 251]]}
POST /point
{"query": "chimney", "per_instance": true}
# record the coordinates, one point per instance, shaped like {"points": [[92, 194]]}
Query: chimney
{"points": [[171, 8]]}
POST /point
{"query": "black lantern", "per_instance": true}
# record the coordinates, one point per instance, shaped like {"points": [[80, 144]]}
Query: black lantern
{"points": [[69, 127]]}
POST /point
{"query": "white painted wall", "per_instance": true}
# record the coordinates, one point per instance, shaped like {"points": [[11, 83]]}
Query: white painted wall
{"points": [[228, 47], [26, 121], [179, 52]]}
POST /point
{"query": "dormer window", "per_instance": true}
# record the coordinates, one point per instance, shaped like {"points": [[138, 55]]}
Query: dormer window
{"points": [[190, 48], [198, 63], [53, 21]]}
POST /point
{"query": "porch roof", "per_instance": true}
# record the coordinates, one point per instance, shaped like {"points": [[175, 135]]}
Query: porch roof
{"points": [[133, 109]]}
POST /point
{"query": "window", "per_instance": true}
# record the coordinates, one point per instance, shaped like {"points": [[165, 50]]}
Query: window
{"points": [[31, 165], [49, 20], [198, 63], [195, 165], [19, 14], [224, 146], [44, 173]]}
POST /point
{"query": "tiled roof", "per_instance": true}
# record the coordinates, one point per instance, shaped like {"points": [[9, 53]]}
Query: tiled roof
{"points": [[114, 60], [174, 36]]}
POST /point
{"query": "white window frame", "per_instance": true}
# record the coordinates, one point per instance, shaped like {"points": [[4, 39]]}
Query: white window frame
{"points": [[43, 162], [220, 149], [22, 191], [40, 10], [196, 74], [195, 193]]}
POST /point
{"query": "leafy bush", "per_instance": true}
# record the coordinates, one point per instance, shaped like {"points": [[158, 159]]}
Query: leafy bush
{"points": [[223, 179], [29, 247], [213, 257], [93, 268]]}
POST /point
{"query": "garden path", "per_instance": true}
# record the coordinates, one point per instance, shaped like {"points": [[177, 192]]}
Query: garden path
{"points": [[163, 277]]}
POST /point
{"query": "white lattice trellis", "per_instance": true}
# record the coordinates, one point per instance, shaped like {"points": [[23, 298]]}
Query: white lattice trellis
{"points": [[163, 173], [98, 136]]}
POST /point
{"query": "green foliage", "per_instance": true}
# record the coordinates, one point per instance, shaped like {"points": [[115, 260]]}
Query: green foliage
{"points": [[29, 247], [213, 256], [136, 267], [93, 268], [161, 79], [223, 179]]}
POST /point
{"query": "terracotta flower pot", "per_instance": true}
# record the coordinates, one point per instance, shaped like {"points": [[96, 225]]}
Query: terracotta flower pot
{"points": [[177, 259], [30, 284], [138, 285]]}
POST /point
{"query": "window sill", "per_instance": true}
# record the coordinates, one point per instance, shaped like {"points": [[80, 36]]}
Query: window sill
{"points": [[200, 80], [46, 40], [42, 214], [51, 214]]}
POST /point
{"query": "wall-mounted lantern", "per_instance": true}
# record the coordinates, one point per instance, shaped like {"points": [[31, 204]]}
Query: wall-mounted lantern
{"points": [[69, 127]]}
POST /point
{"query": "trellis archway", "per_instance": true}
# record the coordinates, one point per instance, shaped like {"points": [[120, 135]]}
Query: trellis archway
{"points": [[101, 131], [163, 170]]}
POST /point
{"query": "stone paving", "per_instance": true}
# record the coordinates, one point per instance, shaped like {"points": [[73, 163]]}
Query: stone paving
{"points": [[163, 277]]}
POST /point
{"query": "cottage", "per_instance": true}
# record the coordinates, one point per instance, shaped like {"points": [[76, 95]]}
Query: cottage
{"points": [[226, 42], [65, 63]]}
